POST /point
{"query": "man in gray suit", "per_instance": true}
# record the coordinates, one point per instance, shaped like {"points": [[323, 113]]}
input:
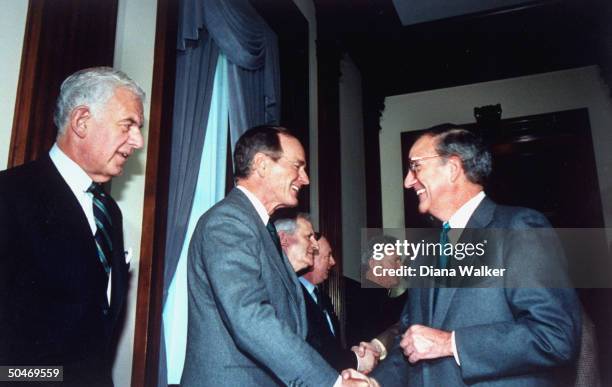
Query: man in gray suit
{"points": [[247, 322], [492, 336]]}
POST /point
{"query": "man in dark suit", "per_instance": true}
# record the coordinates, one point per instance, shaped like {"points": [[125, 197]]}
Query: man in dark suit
{"points": [[494, 336], [312, 258], [247, 321], [63, 273]]}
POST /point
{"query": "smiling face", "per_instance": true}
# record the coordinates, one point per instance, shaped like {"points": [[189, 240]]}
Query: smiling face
{"points": [[301, 245], [431, 179], [323, 262], [111, 135], [287, 175]]}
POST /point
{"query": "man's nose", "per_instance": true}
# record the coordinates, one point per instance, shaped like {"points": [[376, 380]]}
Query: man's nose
{"points": [[304, 178], [410, 180], [315, 244], [135, 138]]}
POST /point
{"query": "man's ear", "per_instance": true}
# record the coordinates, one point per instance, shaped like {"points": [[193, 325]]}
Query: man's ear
{"points": [[284, 239], [260, 164], [456, 168], [79, 117]]}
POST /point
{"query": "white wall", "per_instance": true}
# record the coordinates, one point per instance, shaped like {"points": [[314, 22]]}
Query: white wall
{"points": [[352, 161], [536, 94], [308, 10], [12, 29], [134, 48]]}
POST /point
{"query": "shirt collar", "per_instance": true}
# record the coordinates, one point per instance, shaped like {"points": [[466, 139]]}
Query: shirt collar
{"points": [[71, 172], [463, 214], [310, 287], [259, 207]]}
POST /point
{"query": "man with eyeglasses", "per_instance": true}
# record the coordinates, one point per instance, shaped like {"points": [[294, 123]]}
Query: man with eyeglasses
{"points": [[491, 336]]}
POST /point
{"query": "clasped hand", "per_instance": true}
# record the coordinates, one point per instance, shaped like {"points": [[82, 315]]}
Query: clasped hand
{"points": [[420, 342], [368, 355], [352, 378]]}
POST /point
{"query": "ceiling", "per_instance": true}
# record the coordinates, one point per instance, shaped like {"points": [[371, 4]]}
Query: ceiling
{"points": [[480, 46], [414, 12]]}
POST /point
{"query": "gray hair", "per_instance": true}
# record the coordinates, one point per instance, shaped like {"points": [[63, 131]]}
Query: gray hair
{"points": [[469, 147], [288, 225], [90, 87]]}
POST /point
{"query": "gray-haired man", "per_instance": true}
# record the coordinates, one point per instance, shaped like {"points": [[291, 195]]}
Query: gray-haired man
{"points": [[63, 274]]}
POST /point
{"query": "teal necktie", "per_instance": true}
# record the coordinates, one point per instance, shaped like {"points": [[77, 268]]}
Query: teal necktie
{"points": [[442, 261], [104, 225], [443, 258]]}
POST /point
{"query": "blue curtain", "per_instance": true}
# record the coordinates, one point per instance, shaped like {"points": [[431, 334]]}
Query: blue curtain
{"points": [[248, 86], [251, 48], [210, 188]]}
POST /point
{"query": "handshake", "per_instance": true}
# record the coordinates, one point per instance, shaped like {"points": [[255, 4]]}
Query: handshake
{"points": [[352, 378], [368, 355]]}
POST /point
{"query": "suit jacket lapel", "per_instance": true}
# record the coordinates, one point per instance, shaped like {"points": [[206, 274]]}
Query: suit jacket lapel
{"points": [[62, 207], [280, 263], [480, 219], [483, 215], [427, 301], [120, 268], [286, 274]]}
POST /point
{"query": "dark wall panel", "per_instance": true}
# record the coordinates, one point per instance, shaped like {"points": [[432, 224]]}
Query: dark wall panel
{"points": [[61, 36]]}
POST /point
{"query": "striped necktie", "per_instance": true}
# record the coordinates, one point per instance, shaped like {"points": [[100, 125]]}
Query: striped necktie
{"points": [[104, 225]]}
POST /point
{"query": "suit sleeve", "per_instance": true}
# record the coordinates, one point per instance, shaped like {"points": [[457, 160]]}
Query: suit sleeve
{"points": [[230, 252], [340, 358], [5, 270], [545, 331], [394, 370], [388, 335]]}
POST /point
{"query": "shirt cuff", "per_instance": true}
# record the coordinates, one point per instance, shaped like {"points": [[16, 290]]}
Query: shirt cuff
{"points": [[381, 348], [338, 381], [454, 345]]}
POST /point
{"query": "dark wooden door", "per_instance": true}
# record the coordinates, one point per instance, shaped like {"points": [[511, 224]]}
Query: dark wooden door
{"points": [[61, 36]]}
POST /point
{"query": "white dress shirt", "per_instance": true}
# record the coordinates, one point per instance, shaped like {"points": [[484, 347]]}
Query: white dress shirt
{"points": [[460, 218], [259, 207], [77, 180]]}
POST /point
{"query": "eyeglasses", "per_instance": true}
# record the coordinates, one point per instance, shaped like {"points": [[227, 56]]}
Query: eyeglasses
{"points": [[415, 163]]}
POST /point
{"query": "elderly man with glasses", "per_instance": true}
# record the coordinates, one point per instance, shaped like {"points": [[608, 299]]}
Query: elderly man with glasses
{"points": [[495, 335]]}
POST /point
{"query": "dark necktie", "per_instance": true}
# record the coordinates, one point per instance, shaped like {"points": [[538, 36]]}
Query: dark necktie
{"points": [[442, 261], [104, 225], [272, 230], [319, 300], [322, 304]]}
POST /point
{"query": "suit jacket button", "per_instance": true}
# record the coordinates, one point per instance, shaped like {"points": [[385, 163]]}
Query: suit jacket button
{"points": [[105, 311]]}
